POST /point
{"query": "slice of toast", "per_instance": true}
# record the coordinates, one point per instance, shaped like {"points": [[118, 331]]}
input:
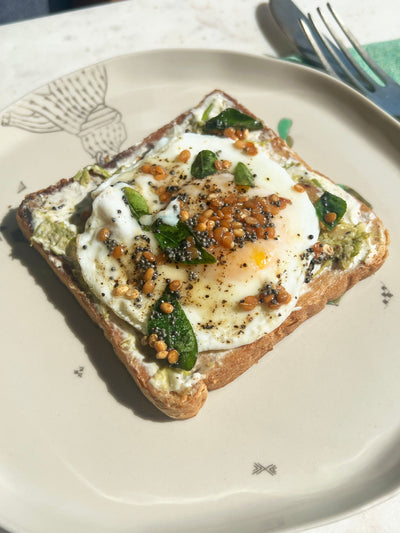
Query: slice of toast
{"points": [[53, 220]]}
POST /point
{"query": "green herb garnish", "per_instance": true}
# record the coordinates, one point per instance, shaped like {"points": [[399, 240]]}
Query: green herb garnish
{"points": [[177, 331], [243, 176], [137, 203], [204, 164], [171, 236], [172, 240], [329, 203], [231, 117]]}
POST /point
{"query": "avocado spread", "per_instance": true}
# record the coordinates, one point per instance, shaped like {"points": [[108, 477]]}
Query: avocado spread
{"points": [[83, 175], [54, 236], [346, 241]]}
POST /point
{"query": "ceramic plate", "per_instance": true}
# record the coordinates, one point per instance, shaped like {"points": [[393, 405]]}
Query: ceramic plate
{"points": [[310, 434]]}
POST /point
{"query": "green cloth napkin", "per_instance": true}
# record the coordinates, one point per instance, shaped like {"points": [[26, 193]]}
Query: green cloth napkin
{"points": [[386, 54]]}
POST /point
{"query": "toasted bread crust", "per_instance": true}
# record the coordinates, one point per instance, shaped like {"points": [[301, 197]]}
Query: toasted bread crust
{"points": [[328, 286]]}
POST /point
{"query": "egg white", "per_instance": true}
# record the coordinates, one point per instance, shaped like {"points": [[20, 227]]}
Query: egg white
{"points": [[211, 301]]}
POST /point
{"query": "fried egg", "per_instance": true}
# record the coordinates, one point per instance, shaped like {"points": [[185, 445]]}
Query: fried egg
{"points": [[260, 249]]}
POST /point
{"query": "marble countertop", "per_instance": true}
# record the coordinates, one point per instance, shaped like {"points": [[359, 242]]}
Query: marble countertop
{"points": [[37, 51]]}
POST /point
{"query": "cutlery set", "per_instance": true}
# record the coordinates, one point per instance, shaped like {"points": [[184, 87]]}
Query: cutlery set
{"points": [[325, 42]]}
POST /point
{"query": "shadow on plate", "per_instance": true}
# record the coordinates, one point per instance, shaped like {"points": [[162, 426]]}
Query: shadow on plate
{"points": [[271, 31], [109, 368]]}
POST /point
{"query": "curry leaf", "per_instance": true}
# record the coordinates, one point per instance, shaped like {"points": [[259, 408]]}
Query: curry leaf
{"points": [[171, 236], [204, 164], [232, 117], [175, 328], [205, 258], [136, 202], [243, 176], [329, 203], [172, 240]]}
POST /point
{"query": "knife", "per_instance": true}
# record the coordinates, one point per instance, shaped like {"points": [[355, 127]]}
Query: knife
{"points": [[287, 15]]}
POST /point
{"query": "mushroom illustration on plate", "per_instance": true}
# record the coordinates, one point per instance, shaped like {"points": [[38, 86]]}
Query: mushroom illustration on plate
{"points": [[74, 104]]}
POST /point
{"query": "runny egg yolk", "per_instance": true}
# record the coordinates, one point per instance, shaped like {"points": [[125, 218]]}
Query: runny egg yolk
{"points": [[260, 258], [244, 230], [249, 263]]}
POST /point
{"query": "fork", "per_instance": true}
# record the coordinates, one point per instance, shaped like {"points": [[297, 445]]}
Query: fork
{"points": [[337, 61]]}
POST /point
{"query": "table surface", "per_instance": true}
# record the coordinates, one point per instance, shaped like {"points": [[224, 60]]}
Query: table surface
{"points": [[39, 50]]}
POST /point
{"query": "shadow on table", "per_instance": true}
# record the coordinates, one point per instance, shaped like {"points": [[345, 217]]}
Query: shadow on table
{"points": [[271, 31]]}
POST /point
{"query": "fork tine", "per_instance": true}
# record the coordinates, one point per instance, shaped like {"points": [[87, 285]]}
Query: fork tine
{"points": [[322, 55], [327, 66], [365, 56], [340, 43]]}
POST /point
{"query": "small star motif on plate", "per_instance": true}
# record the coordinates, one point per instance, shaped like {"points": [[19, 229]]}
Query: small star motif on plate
{"points": [[21, 186], [258, 468], [386, 294], [79, 371]]}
